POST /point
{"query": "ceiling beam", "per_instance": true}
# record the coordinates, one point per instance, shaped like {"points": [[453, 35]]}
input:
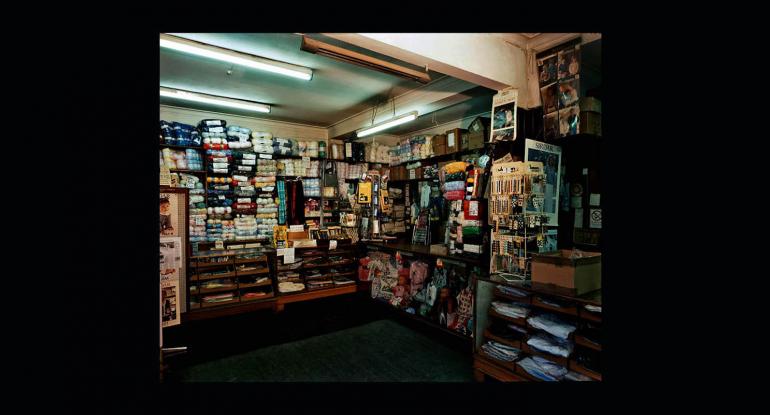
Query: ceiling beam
{"points": [[480, 58], [545, 41], [438, 94]]}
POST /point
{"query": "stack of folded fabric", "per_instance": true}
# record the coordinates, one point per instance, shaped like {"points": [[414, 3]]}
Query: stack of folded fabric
{"points": [[311, 187], [173, 159], [214, 230], [284, 146], [288, 287], [180, 134], [576, 377], [197, 225], [289, 276], [238, 137], [244, 162], [219, 298], [245, 228], [501, 351], [167, 133], [542, 368], [552, 325], [194, 160], [264, 183], [219, 161], [285, 167], [307, 148], [514, 310], [452, 178], [512, 291], [214, 134], [262, 141], [312, 171], [551, 344], [265, 228]]}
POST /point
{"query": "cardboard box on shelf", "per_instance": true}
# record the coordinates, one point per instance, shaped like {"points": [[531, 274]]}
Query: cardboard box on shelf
{"points": [[590, 123], [577, 276], [439, 144], [477, 133], [453, 140], [590, 104]]}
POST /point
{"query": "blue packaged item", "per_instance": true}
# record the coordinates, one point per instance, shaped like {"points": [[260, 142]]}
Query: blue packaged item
{"points": [[195, 138], [167, 131]]}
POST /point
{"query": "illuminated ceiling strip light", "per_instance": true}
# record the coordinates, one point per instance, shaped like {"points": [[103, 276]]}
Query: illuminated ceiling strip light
{"points": [[210, 99], [231, 56], [402, 119]]}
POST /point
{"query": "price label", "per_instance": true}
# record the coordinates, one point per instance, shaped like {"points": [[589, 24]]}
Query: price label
{"points": [[266, 156]]}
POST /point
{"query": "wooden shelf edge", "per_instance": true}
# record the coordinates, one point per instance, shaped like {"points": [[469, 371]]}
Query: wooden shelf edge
{"points": [[577, 367], [305, 295], [196, 278], [585, 343]]}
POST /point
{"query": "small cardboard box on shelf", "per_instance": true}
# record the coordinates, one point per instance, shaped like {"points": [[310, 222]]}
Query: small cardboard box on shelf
{"points": [[439, 143], [453, 140], [577, 275]]}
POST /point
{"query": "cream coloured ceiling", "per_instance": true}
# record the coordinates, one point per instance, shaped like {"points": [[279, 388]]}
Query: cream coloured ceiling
{"points": [[337, 90]]}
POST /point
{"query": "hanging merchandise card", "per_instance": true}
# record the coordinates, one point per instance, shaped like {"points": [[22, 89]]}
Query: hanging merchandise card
{"points": [[305, 162], [348, 150], [365, 193], [332, 244], [288, 256], [594, 199]]}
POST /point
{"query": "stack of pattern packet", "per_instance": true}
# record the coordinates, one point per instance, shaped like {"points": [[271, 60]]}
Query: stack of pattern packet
{"points": [[219, 224], [267, 207]]}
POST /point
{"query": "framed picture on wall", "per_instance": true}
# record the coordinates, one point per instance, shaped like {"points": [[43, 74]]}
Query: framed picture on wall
{"points": [[504, 115], [174, 225], [550, 156]]}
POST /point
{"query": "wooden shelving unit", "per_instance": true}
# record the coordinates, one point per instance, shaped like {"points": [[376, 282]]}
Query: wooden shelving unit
{"points": [[572, 310], [242, 282], [345, 269]]}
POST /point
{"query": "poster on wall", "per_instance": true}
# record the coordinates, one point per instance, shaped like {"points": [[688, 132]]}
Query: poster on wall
{"points": [[174, 223], [170, 271], [550, 156], [169, 220], [559, 77], [504, 115], [547, 69], [568, 64]]}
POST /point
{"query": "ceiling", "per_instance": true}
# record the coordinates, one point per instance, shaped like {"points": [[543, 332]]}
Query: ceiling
{"points": [[338, 90], [480, 102]]}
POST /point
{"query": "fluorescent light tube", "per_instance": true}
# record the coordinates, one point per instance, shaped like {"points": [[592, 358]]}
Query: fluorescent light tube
{"points": [[402, 119], [231, 56], [210, 99]]}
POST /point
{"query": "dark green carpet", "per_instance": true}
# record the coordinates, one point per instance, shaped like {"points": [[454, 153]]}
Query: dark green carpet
{"points": [[381, 351]]}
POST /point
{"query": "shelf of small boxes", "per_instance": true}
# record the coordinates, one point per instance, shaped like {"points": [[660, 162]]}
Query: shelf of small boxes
{"points": [[317, 268], [227, 277], [582, 343]]}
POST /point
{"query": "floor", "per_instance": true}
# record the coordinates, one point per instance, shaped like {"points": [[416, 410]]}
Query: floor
{"points": [[335, 339]]}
